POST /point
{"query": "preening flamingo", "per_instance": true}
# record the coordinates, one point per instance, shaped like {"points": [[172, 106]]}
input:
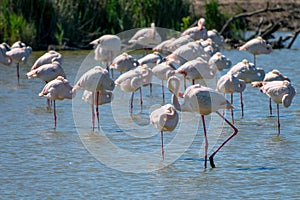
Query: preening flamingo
{"points": [[57, 89], [178, 42], [146, 37], [256, 46], [164, 118], [95, 80], [216, 37], [281, 92], [152, 59], [19, 55], [230, 84], [124, 62], [202, 100], [273, 75], [220, 61], [164, 45], [198, 32]]}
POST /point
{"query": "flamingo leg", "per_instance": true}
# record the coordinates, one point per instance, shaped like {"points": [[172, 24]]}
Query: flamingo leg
{"points": [[93, 112], [54, 113], [131, 102], [97, 110], [242, 104], [231, 101], [18, 73], [184, 83], [141, 98], [254, 60], [211, 158], [270, 106], [162, 145], [150, 86], [163, 91], [278, 121], [193, 81], [206, 141]]}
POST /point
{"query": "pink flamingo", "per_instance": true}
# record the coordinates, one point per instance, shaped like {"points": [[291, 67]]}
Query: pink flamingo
{"points": [[47, 58], [216, 37], [281, 92], [57, 89], [273, 75], [198, 32], [95, 80], [19, 55], [220, 61], [230, 84], [4, 59], [124, 63], [164, 118], [202, 100], [256, 46], [146, 37]]}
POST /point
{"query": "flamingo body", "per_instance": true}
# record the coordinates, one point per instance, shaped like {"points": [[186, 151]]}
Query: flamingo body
{"points": [[47, 58], [199, 32], [124, 63], [220, 61], [146, 37]]}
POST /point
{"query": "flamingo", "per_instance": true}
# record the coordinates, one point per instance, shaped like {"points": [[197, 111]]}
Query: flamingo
{"points": [[152, 59], [47, 58], [57, 89], [18, 44], [202, 100], [196, 69], [107, 48], [247, 71], [198, 32], [4, 59], [256, 46], [220, 61], [124, 62], [146, 37], [163, 46], [95, 80], [216, 37], [230, 84], [281, 92], [273, 75], [163, 72], [164, 118], [178, 42], [19, 55]]}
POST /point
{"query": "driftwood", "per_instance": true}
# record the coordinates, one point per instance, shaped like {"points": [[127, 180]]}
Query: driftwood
{"points": [[249, 14]]}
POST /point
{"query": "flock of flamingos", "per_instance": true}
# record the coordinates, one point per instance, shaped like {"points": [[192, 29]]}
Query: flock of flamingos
{"points": [[195, 55]]}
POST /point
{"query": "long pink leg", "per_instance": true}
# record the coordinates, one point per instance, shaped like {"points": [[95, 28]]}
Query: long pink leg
{"points": [[97, 109], [93, 112], [231, 101], [162, 145], [278, 121], [235, 131], [54, 113], [206, 142]]}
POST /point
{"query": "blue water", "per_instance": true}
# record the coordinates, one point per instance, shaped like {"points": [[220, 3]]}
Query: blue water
{"points": [[72, 162]]}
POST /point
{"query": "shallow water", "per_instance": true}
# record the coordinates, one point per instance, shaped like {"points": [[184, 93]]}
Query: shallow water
{"points": [[123, 160]]}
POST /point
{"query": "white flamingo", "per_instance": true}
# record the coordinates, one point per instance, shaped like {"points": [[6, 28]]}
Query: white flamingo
{"points": [[281, 92], [216, 37], [163, 72], [230, 84], [247, 71], [164, 45], [273, 75], [178, 42], [19, 55], [4, 59], [124, 62], [198, 32], [256, 46], [152, 59], [202, 100], [95, 80], [146, 37], [57, 89], [220, 61], [47, 58], [164, 118]]}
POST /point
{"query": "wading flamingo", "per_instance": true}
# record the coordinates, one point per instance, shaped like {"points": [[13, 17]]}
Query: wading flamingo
{"points": [[220, 61], [256, 46], [216, 37], [146, 37], [95, 80], [198, 32], [107, 48], [164, 118], [202, 100], [230, 84], [281, 92], [57, 89], [273, 75], [47, 58], [124, 62], [19, 55], [247, 72], [164, 45], [151, 60]]}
